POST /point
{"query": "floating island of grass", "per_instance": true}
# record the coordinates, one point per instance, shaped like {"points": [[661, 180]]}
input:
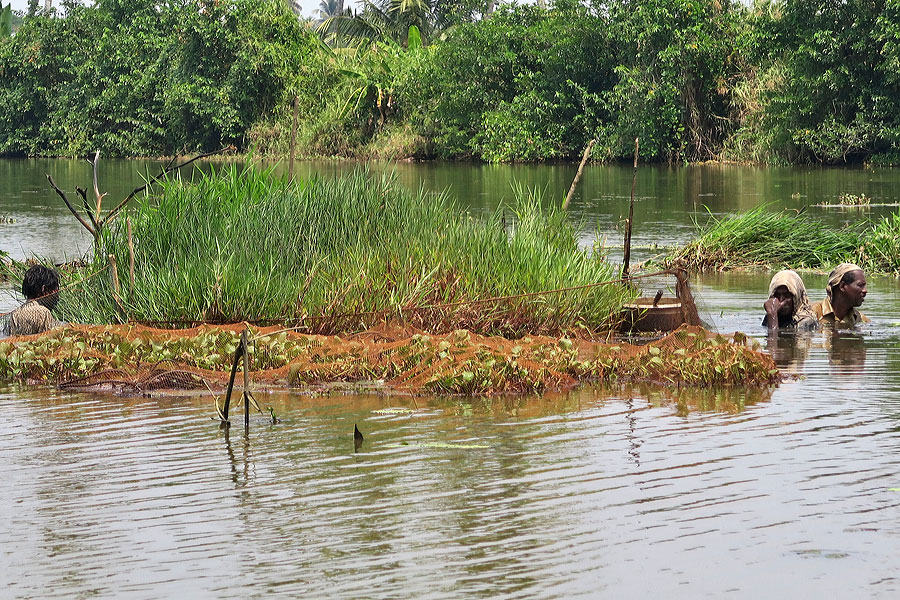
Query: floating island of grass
{"points": [[339, 256], [788, 239]]}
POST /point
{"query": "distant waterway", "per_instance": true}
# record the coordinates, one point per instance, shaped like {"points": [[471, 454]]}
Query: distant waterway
{"points": [[668, 199], [601, 492]]}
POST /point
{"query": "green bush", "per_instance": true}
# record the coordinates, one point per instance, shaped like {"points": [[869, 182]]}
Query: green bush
{"points": [[131, 78]]}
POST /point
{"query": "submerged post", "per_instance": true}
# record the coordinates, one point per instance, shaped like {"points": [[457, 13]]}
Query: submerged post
{"points": [[234, 365], [246, 353], [626, 258], [241, 352]]}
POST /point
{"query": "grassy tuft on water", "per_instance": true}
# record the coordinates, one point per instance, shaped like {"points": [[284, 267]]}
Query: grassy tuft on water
{"points": [[762, 238], [881, 252], [242, 245], [787, 239]]}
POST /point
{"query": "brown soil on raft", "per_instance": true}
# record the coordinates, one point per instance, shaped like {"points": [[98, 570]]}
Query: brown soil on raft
{"points": [[126, 359]]}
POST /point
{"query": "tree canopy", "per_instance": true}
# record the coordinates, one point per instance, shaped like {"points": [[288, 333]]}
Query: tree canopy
{"points": [[779, 81]]}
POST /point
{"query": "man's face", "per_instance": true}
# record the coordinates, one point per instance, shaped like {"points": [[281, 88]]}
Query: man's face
{"points": [[855, 291], [782, 294]]}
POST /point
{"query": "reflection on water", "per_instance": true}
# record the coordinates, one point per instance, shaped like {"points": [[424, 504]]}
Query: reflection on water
{"points": [[846, 349]]}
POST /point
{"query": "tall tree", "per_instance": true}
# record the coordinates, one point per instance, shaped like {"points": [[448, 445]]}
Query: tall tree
{"points": [[380, 20], [5, 20], [330, 8]]}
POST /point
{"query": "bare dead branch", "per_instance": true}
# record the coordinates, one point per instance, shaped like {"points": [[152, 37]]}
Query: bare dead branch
{"points": [[71, 208], [97, 193]]}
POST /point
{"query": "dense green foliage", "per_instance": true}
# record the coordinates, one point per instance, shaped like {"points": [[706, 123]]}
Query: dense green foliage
{"points": [[523, 85], [136, 78], [825, 81], [243, 245], [759, 238], [780, 81]]}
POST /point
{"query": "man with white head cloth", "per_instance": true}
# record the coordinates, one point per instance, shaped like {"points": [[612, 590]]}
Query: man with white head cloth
{"points": [[846, 290], [788, 305]]}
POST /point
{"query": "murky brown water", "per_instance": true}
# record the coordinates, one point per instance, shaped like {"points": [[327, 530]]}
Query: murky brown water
{"points": [[624, 492]]}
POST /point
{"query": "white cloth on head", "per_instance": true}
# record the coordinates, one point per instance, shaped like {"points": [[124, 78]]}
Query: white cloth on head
{"points": [[834, 278]]}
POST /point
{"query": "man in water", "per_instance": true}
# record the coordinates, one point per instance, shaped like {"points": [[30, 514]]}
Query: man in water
{"points": [[845, 291], [40, 286], [788, 305]]}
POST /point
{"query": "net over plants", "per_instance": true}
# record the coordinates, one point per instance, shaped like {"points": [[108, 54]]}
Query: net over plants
{"points": [[137, 359]]}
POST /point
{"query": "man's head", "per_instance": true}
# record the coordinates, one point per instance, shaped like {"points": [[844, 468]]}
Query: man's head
{"points": [[783, 295], [41, 283], [852, 286]]}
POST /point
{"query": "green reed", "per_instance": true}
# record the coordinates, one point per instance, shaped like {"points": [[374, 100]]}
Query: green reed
{"points": [[881, 252], [761, 238], [242, 245], [764, 238]]}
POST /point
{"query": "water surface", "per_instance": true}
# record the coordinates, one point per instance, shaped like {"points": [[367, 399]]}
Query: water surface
{"points": [[620, 492]]}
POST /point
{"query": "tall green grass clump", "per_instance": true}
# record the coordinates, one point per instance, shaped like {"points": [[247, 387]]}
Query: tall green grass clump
{"points": [[242, 245], [764, 238], [881, 252]]}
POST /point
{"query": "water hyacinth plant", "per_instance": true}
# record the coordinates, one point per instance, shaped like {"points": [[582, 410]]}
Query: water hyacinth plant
{"points": [[243, 245], [134, 359]]}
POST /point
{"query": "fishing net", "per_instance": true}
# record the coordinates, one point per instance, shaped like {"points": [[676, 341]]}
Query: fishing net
{"points": [[134, 359]]}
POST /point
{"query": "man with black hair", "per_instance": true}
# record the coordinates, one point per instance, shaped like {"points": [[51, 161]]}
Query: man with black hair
{"points": [[846, 290], [40, 286]]}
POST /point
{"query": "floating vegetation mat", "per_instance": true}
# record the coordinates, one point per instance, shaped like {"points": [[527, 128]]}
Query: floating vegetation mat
{"points": [[763, 238], [136, 359]]}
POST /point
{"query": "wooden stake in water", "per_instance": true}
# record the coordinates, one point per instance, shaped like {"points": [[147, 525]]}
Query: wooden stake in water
{"points": [[627, 255], [113, 274], [584, 158], [246, 352], [130, 253], [238, 353], [242, 352]]}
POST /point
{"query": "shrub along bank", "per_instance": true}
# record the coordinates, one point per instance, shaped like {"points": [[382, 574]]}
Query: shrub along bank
{"points": [[778, 81]]}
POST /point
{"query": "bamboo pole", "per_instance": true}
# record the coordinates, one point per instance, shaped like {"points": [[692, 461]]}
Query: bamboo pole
{"points": [[627, 255], [246, 380], [114, 276], [293, 139], [584, 158], [114, 282]]}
